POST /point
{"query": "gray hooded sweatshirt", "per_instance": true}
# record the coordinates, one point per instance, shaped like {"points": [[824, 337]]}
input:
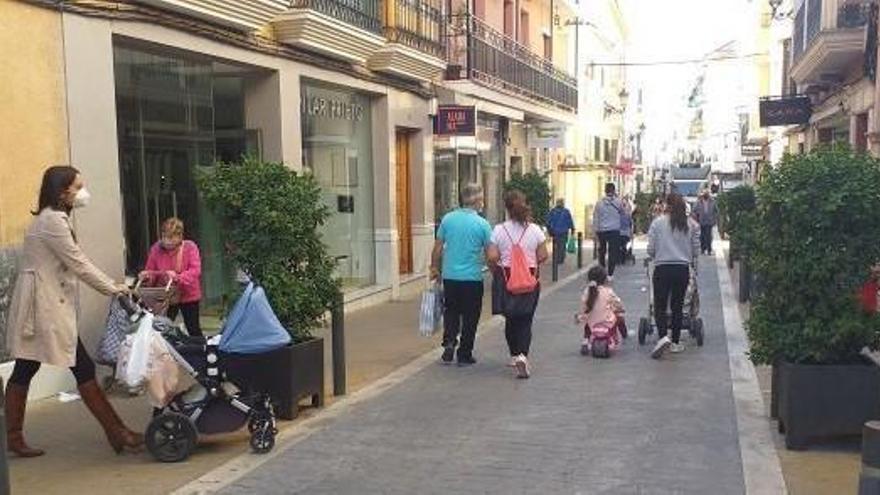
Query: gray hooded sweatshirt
{"points": [[673, 247], [606, 215]]}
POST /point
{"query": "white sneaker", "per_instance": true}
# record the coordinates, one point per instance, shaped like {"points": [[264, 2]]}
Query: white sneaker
{"points": [[676, 348], [585, 347], [522, 367], [512, 362], [661, 347]]}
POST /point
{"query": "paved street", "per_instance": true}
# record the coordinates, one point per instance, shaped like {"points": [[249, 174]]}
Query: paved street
{"points": [[624, 425]]}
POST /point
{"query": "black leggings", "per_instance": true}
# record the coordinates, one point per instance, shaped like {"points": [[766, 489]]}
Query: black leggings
{"points": [[83, 370], [190, 313], [670, 286]]}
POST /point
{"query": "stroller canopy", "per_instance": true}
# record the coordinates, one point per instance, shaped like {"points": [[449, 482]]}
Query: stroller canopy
{"points": [[252, 327]]}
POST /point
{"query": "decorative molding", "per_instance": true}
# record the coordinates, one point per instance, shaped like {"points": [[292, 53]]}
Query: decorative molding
{"points": [[247, 15], [403, 61], [831, 51], [317, 32]]}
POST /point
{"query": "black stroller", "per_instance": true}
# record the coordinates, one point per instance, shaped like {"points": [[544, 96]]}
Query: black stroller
{"points": [[223, 398]]}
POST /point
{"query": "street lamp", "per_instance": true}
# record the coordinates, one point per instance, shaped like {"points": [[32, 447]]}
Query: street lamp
{"points": [[624, 98]]}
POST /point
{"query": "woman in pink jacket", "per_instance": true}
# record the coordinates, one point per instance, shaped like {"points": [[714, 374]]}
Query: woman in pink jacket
{"points": [[178, 260]]}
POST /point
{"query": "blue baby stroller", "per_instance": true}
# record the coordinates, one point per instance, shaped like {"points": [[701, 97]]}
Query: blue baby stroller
{"points": [[223, 398]]}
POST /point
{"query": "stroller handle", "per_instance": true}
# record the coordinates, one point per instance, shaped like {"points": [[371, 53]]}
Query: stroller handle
{"points": [[167, 285]]}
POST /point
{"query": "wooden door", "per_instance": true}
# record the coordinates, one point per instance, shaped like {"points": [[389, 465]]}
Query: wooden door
{"points": [[404, 219]]}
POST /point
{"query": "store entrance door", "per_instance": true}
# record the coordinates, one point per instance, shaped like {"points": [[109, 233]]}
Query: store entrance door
{"points": [[404, 217]]}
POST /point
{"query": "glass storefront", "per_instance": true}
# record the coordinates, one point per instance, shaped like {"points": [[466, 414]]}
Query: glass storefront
{"points": [[337, 149], [176, 113], [490, 154]]}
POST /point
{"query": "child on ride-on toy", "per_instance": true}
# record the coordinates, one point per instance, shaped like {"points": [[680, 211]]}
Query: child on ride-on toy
{"points": [[602, 315]]}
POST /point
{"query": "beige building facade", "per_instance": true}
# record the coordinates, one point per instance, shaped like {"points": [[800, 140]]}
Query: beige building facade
{"points": [[140, 98]]}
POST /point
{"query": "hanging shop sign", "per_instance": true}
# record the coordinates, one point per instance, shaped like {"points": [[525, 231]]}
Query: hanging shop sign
{"points": [[455, 120], [550, 136], [752, 150], [786, 110]]}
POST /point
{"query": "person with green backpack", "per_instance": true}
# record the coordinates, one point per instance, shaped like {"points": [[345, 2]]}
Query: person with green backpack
{"points": [[559, 224]]}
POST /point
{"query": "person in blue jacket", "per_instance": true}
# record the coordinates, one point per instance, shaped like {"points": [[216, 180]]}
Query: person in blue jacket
{"points": [[560, 224]]}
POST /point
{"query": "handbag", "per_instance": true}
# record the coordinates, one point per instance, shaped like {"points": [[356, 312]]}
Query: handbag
{"points": [[571, 246], [174, 297], [116, 328]]}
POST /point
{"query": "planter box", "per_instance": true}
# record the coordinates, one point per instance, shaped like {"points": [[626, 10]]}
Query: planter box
{"points": [[822, 401], [288, 375], [745, 282]]}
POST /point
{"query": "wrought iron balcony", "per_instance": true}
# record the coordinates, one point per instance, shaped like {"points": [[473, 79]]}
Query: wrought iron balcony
{"points": [[478, 52], [363, 14], [417, 24], [828, 43], [853, 14]]}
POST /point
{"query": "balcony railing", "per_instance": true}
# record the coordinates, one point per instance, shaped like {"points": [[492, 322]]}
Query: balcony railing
{"points": [[808, 21], [364, 14], [490, 57], [417, 24], [853, 14]]}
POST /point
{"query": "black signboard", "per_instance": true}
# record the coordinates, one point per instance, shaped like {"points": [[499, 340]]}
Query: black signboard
{"points": [[787, 110], [455, 120]]}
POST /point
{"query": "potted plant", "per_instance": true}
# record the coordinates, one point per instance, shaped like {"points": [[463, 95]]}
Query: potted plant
{"points": [[271, 216], [737, 207], [814, 238]]}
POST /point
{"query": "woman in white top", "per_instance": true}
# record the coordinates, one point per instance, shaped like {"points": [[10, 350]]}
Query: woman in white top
{"points": [[518, 231]]}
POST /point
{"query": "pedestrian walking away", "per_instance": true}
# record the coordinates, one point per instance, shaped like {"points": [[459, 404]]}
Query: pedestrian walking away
{"points": [[560, 224], [673, 243], [606, 225], [602, 313], [177, 260], [518, 249], [458, 259], [706, 213], [42, 320]]}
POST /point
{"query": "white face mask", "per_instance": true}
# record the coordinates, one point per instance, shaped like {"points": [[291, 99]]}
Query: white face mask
{"points": [[82, 198]]}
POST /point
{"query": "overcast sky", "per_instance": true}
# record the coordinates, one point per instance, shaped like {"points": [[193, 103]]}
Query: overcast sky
{"points": [[663, 30]]}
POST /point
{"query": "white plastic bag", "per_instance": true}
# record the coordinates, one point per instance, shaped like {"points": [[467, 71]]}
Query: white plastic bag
{"points": [[431, 311], [133, 365], [164, 373]]}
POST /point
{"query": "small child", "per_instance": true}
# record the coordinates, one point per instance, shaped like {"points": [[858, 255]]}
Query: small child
{"points": [[601, 307]]}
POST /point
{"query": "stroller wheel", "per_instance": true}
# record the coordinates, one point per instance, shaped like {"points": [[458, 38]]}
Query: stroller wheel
{"points": [[697, 330], [171, 437], [644, 329], [263, 439]]}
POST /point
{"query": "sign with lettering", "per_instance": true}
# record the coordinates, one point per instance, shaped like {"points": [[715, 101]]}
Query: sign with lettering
{"points": [[332, 109], [550, 136], [787, 110], [753, 150], [455, 120]]}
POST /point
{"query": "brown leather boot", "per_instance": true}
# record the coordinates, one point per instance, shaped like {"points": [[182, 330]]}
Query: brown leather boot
{"points": [[120, 437], [16, 401]]}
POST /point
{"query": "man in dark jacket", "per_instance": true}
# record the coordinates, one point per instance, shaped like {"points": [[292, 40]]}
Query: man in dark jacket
{"points": [[559, 224], [706, 213]]}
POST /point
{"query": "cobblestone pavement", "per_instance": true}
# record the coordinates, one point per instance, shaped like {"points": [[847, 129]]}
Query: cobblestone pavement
{"points": [[627, 425]]}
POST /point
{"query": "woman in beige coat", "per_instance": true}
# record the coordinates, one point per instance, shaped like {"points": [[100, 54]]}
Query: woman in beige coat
{"points": [[42, 315]]}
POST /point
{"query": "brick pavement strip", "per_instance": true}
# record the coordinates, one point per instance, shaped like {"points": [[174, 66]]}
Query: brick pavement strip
{"points": [[624, 425]]}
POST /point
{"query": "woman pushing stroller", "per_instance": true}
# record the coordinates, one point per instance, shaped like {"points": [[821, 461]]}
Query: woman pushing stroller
{"points": [[42, 315], [674, 245]]}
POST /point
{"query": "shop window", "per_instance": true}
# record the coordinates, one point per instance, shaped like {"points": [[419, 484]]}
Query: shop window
{"points": [[337, 149], [175, 113]]}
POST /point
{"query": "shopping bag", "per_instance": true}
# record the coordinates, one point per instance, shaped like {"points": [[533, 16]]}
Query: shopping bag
{"points": [[431, 311], [116, 328], [133, 366], [163, 375], [571, 246]]}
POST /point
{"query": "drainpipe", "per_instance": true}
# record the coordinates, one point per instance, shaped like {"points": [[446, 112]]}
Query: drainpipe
{"points": [[874, 134]]}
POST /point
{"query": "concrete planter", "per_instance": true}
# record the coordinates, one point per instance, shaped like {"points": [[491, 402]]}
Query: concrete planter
{"points": [[823, 401], [288, 375]]}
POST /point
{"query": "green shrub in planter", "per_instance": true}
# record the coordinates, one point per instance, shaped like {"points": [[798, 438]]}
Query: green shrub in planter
{"points": [[537, 191], [271, 216], [815, 233], [736, 208]]}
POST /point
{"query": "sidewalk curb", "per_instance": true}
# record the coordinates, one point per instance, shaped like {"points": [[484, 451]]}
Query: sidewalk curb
{"points": [[762, 470], [240, 466]]}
